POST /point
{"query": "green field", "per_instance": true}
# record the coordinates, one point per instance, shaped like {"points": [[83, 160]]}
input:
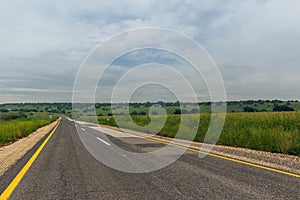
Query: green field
{"points": [[105, 109], [13, 129], [250, 124], [267, 131]]}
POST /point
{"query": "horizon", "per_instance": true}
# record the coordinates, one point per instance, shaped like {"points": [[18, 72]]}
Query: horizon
{"points": [[271, 100]]}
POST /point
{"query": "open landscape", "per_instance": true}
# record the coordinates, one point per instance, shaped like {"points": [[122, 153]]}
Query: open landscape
{"points": [[189, 99], [274, 132], [271, 125], [264, 136]]}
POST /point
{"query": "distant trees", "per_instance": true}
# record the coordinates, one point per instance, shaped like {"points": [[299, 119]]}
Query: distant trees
{"points": [[178, 111], [3, 110], [136, 105], [12, 116], [133, 113], [142, 113], [143, 108], [138, 113], [249, 109], [249, 102], [194, 111], [280, 108]]}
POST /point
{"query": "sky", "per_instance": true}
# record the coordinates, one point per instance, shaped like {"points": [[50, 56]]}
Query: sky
{"points": [[254, 43]]}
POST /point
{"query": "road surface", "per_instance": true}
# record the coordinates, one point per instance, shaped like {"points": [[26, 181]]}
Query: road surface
{"points": [[65, 169]]}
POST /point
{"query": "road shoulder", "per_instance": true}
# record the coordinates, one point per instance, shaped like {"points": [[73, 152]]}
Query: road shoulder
{"points": [[11, 153], [288, 163]]}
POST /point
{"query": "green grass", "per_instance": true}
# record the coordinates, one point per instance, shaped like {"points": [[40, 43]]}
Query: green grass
{"points": [[105, 109], [15, 129], [266, 131]]}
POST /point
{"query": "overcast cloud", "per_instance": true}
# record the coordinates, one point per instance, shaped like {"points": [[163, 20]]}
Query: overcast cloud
{"points": [[255, 43]]}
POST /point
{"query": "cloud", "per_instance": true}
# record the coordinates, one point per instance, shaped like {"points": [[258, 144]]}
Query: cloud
{"points": [[255, 43]]}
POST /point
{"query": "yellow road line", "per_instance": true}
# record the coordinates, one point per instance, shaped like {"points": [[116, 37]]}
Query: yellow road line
{"points": [[216, 155], [8, 191]]}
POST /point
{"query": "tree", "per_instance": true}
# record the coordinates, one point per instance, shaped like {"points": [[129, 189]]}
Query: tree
{"points": [[177, 112], [133, 113], [249, 109], [278, 108], [142, 113]]}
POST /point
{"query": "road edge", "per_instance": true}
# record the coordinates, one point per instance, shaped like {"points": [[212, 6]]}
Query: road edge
{"points": [[218, 151], [15, 173]]}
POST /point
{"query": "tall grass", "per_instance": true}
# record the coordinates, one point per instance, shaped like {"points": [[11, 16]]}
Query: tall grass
{"points": [[273, 132], [15, 129]]}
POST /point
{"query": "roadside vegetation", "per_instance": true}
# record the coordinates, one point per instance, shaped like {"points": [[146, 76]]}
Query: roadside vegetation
{"points": [[268, 125], [274, 132], [105, 109], [14, 126]]}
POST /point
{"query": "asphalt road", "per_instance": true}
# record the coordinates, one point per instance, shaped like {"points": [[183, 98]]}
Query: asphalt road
{"points": [[66, 169]]}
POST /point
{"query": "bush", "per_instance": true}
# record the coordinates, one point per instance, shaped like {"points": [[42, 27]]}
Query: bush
{"points": [[18, 128], [177, 112], [142, 113], [278, 108], [249, 109], [133, 113]]}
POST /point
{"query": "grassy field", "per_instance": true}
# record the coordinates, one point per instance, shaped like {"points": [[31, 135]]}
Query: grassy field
{"points": [[258, 128], [105, 109], [11, 130], [267, 131]]}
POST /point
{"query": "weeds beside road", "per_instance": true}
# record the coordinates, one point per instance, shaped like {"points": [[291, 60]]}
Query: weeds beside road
{"points": [[273, 132], [17, 128]]}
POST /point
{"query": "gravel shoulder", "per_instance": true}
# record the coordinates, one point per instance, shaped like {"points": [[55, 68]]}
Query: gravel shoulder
{"points": [[11, 153], [279, 161]]}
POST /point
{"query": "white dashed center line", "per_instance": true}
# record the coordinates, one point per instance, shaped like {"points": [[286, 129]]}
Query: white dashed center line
{"points": [[102, 141]]}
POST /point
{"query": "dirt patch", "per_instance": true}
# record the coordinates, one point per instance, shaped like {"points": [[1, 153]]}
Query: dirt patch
{"points": [[11, 153]]}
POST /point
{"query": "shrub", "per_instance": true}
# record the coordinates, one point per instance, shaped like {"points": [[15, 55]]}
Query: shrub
{"points": [[18, 128], [278, 108]]}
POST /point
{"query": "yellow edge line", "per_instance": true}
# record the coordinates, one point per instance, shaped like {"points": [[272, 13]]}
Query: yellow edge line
{"points": [[217, 156], [8, 191]]}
